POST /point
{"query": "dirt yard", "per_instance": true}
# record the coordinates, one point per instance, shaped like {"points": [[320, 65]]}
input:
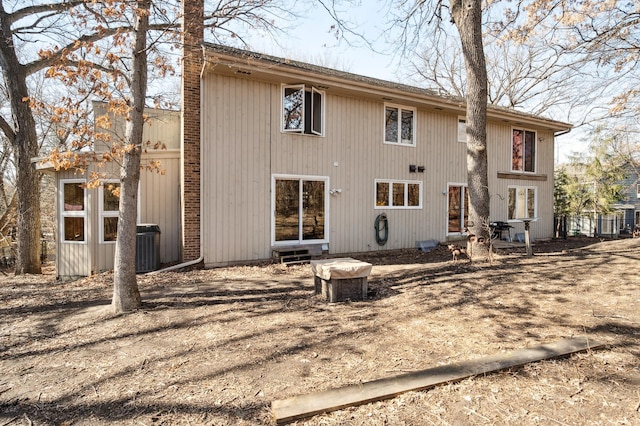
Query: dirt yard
{"points": [[217, 347]]}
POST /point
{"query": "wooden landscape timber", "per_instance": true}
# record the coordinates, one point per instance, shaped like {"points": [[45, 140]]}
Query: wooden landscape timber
{"points": [[299, 407]]}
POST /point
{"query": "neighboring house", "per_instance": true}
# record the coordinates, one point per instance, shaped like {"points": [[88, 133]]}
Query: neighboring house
{"points": [[86, 218], [627, 213], [282, 154]]}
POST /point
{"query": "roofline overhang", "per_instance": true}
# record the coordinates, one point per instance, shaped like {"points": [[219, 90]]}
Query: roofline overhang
{"points": [[278, 68]]}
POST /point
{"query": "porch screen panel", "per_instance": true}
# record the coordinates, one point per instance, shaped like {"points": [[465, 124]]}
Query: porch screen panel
{"points": [[287, 214], [313, 210]]}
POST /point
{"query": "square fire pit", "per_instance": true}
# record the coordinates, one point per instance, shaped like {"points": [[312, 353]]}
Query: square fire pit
{"points": [[341, 279]]}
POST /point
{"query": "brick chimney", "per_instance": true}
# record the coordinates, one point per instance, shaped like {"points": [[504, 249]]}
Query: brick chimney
{"points": [[192, 62]]}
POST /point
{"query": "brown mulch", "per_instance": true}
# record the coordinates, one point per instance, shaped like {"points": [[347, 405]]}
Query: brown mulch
{"points": [[216, 347]]}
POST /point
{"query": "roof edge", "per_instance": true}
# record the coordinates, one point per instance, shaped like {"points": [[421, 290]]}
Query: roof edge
{"points": [[216, 54]]}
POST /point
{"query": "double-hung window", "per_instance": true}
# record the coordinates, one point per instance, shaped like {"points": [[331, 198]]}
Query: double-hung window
{"points": [[109, 194], [523, 151], [302, 110], [73, 209], [394, 194], [522, 202], [399, 125]]}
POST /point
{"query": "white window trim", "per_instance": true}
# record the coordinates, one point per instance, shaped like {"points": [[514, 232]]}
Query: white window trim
{"points": [[102, 213], [464, 138], [535, 149], [413, 125], [322, 112], [324, 179], [73, 213], [535, 201], [449, 185], [406, 194], [638, 191]]}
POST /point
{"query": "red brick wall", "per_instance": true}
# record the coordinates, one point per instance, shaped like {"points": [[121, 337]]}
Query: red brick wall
{"points": [[192, 38]]}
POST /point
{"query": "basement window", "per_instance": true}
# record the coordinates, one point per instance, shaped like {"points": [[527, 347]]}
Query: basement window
{"points": [[302, 110]]}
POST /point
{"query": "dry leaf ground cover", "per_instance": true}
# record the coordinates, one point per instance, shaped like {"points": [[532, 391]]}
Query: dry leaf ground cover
{"points": [[216, 347]]}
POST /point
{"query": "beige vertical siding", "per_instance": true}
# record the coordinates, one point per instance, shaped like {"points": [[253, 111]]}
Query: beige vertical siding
{"points": [[236, 170], [243, 147], [159, 204], [159, 201]]}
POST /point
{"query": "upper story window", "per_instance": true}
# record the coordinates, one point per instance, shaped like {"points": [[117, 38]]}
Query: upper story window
{"points": [[109, 206], [638, 191], [399, 125], [462, 129], [73, 210], [398, 194], [523, 151], [302, 110]]}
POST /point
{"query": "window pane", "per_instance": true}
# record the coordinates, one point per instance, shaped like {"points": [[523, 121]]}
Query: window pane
{"points": [[74, 229], [466, 207], [313, 210], [512, 203], [73, 197], [521, 203], [531, 202], [398, 194], [293, 107], [382, 193], [110, 230], [287, 210], [455, 194], [414, 195], [407, 127], [462, 131], [529, 152], [316, 113], [111, 197], [516, 156], [391, 125]]}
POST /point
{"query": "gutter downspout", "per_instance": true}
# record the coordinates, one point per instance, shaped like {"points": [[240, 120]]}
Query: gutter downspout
{"points": [[201, 258]]}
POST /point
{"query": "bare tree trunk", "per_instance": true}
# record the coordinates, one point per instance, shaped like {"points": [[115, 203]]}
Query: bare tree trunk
{"points": [[126, 295], [467, 15], [22, 135]]}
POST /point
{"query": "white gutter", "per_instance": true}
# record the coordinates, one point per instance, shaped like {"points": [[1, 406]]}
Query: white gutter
{"points": [[201, 258]]}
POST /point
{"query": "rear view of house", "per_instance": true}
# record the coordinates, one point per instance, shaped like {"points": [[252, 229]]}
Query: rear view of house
{"points": [[297, 155], [275, 155]]}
